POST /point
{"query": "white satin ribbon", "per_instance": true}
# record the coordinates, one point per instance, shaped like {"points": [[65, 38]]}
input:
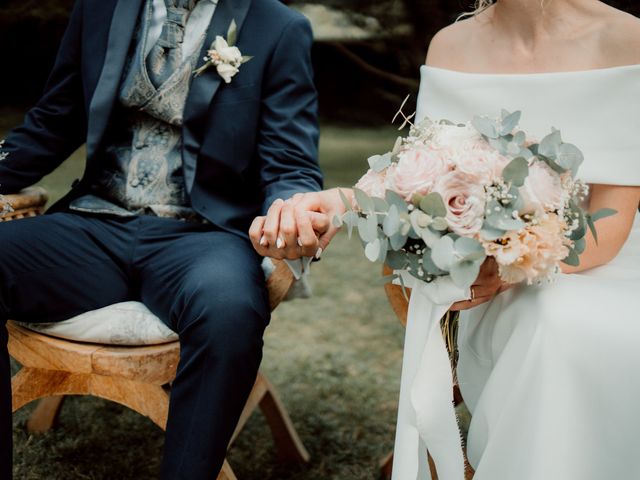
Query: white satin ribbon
{"points": [[426, 415]]}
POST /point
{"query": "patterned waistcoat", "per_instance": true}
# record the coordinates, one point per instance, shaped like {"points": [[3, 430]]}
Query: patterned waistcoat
{"points": [[143, 158]]}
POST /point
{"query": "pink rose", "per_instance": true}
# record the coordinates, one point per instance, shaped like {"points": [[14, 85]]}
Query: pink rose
{"points": [[416, 172], [542, 190], [465, 199], [373, 184], [486, 164]]}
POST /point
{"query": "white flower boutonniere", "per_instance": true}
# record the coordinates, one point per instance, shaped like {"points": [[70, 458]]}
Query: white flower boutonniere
{"points": [[224, 56]]}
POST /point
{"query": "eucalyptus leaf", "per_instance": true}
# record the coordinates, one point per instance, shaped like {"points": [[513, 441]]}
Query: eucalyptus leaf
{"points": [[393, 198], [516, 171], [569, 157], [397, 241], [337, 221], [379, 205], [603, 213], [363, 200], [485, 126], [350, 219], [345, 201], [397, 146], [379, 163], [368, 228], [397, 260], [391, 224], [501, 218], [580, 245], [465, 273], [549, 145], [490, 233], [510, 122], [520, 138], [440, 224], [443, 253], [433, 205], [465, 246], [430, 236], [572, 259], [592, 227], [372, 250], [429, 266]]}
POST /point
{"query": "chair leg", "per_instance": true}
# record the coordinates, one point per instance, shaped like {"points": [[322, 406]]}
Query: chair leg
{"points": [[288, 444], [386, 467], [227, 473], [45, 416]]}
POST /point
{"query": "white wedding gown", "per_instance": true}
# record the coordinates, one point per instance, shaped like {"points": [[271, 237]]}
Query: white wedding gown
{"points": [[551, 373]]}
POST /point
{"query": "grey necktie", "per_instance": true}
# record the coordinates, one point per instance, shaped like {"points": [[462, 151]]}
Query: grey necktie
{"points": [[166, 55]]}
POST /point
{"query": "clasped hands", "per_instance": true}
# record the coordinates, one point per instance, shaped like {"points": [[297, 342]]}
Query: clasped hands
{"points": [[302, 227]]}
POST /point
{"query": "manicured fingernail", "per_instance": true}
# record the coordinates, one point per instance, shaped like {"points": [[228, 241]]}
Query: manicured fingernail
{"points": [[263, 241], [319, 254], [299, 242], [280, 243]]}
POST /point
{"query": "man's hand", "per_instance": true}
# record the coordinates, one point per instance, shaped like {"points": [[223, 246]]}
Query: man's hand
{"points": [[299, 227], [486, 287]]}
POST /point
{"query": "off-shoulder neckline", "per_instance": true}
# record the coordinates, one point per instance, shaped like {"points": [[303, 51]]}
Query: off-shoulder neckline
{"points": [[535, 74]]}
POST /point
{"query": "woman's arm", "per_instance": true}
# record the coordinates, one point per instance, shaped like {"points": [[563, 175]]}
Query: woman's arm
{"points": [[612, 231]]}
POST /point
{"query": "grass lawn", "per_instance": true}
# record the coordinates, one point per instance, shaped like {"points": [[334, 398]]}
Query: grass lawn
{"points": [[335, 359]]}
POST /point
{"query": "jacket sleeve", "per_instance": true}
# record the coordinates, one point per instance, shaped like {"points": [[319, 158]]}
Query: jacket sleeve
{"points": [[288, 135], [56, 126]]}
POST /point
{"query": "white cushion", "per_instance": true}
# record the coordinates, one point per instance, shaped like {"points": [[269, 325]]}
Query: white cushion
{"points": [[128, 323]]}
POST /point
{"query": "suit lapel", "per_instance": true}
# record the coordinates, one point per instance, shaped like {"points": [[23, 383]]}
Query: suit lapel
{"points": [[204, 87], [123, 24]]}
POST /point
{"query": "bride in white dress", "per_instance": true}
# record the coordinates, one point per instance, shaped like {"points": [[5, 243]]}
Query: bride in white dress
{"points": [[550, 373]]}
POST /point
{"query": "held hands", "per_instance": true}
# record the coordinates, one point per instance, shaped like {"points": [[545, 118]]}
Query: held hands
{"points": [[299, 227], [486, 287]]}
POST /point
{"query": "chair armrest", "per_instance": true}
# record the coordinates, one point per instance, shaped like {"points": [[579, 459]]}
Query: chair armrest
{"points": [[279, 283]]}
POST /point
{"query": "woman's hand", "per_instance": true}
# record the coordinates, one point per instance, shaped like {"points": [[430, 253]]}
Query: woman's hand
{"points": [[486, 287], [299, 227]]}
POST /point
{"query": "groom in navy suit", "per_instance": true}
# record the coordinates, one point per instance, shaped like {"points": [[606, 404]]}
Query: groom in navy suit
{"points": [[177, 168]]}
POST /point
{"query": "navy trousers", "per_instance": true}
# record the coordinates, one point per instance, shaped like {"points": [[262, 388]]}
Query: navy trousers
{"points": [[205, 284]]}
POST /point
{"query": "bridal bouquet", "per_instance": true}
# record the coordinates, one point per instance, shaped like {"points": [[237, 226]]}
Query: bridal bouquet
{"points": [[449, 196]]}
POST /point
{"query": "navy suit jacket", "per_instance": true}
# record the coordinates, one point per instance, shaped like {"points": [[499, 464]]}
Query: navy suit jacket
{"points": [[246, 143]]}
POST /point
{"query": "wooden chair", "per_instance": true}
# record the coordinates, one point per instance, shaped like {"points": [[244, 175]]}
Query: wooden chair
{"points": [[137, 377], [400, 305]]}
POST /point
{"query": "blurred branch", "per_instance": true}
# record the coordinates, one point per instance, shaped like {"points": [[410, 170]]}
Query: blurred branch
{"points": [[373, 71]]}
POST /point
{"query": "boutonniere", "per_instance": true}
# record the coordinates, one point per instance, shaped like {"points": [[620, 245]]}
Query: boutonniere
{"points": [[224, 56]]}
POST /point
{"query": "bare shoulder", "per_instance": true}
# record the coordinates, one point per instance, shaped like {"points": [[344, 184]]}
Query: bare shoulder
{"points": [[620, 37], [450, 45]]}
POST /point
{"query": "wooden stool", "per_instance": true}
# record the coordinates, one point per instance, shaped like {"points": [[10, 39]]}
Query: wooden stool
{"points": [[137, 377], [400, 305]]}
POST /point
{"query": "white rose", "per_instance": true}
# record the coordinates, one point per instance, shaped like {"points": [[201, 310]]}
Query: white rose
{"points": [[542, 189], [227, 71], [453, 136]]}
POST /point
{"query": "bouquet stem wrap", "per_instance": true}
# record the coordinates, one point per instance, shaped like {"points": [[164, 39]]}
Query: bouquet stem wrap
{"points": [[426, 415]]}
